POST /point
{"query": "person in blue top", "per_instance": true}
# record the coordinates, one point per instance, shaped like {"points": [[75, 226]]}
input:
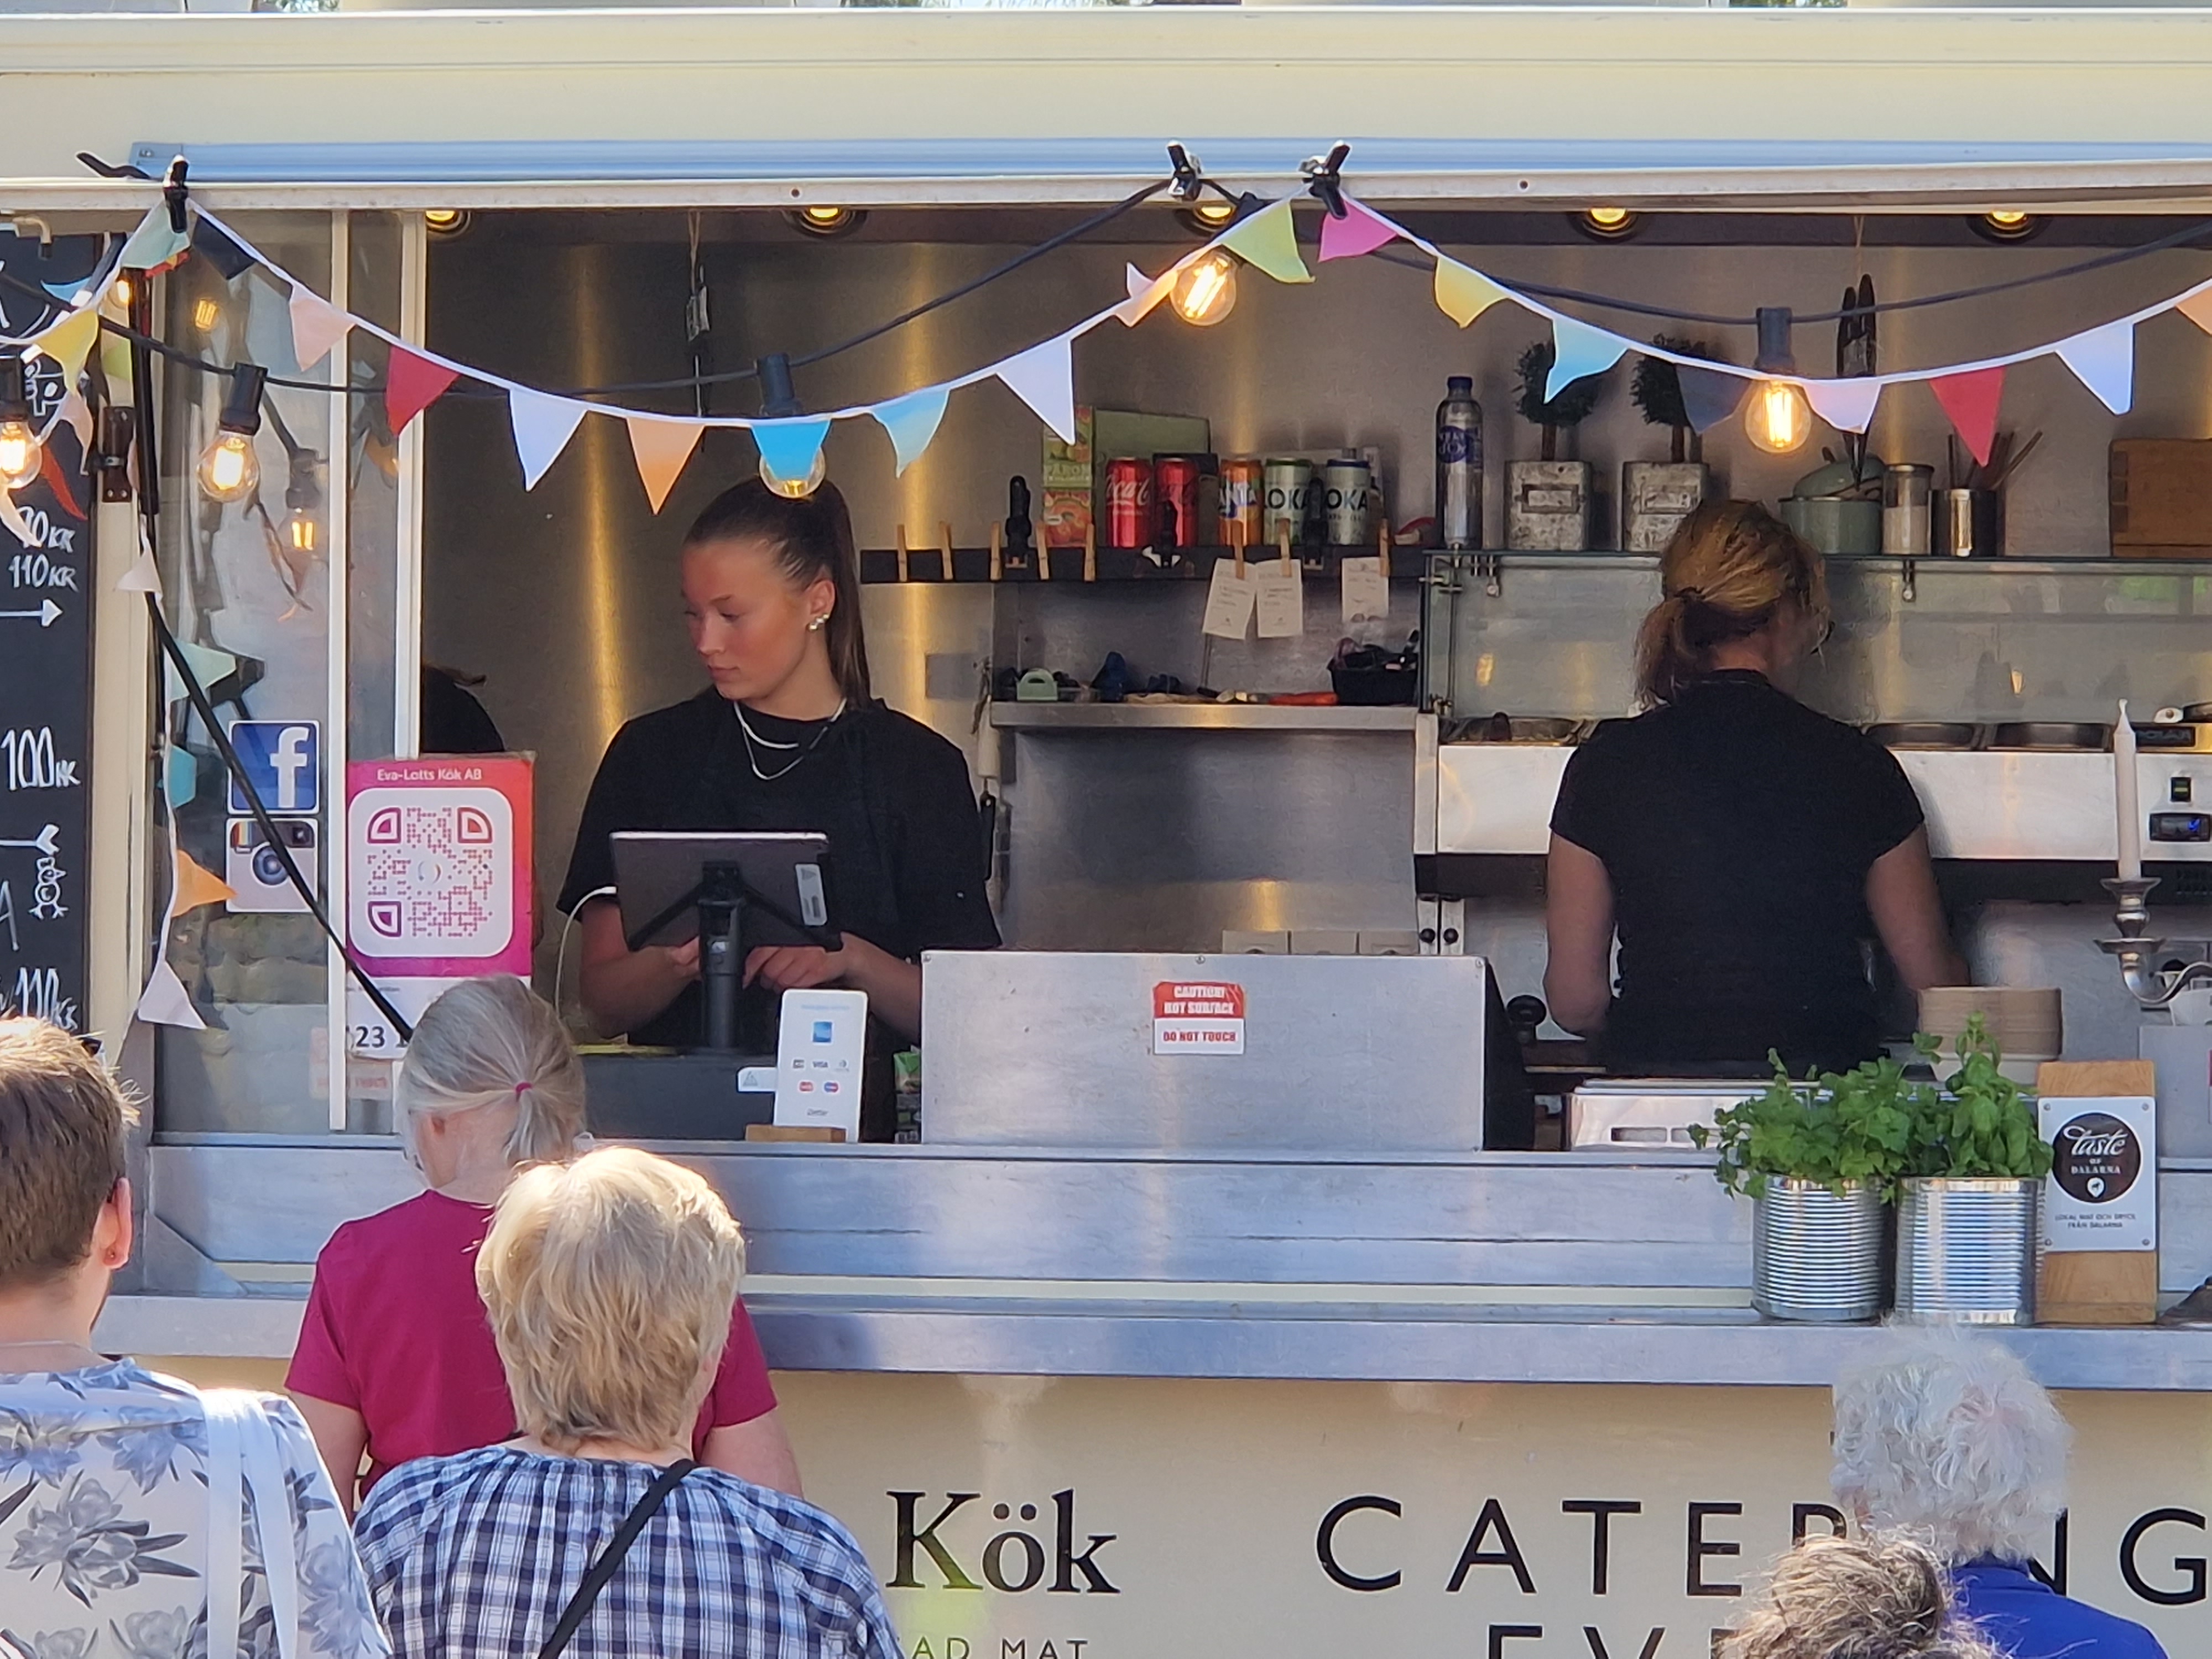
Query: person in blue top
{"points": [[1948, 1438]]}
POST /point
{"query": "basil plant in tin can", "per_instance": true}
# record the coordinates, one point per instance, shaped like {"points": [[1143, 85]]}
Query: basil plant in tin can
{"points": [[1966, 1222], [1821, 1161]]}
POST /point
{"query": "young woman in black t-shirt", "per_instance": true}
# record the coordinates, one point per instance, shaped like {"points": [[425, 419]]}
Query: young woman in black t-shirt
{"points": [[788, 737], [1740, 845]]}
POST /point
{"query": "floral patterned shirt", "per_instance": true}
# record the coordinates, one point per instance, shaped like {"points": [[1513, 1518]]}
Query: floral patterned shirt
{"points": [[103, 1518]]}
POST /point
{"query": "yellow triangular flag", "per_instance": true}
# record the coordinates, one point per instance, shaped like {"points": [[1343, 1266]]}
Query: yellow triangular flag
{"points": [[2197, 308], [1463, 292], [1269, 240], [661, 448], [197, 886], [69, 342]]}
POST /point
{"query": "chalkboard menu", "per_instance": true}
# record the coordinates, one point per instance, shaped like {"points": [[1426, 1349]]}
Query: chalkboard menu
{"points": [[46, 676]]}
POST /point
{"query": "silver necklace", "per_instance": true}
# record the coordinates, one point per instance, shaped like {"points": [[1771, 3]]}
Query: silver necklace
{"points": [[754, 741]]}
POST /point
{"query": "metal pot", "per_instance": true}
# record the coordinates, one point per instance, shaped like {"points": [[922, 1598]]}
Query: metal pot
{"points": [[1965, 1251], [1816, 1256]]}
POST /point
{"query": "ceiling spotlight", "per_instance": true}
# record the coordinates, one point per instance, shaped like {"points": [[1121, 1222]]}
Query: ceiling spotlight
{"points": [[2007, 225], [445, 222], [1608, 224], [826, 221], [1209, 216]]}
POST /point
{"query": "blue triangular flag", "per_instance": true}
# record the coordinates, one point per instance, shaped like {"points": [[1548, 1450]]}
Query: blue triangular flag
{"points": [[1708, 396], [788, 449], [219, 251], [2104, 360], [1577, 350], [912, 421]]}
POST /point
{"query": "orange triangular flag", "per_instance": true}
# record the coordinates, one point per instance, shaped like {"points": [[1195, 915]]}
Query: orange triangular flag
{"points": [[662, 447], [195, 887], [2197, 308]]}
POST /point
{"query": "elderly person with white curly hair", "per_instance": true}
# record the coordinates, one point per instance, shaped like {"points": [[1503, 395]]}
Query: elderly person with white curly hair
{"points": [[1947, 1438]]}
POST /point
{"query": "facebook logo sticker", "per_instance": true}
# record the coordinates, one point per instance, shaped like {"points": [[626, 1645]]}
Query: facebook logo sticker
{"points": [[281, 758]]}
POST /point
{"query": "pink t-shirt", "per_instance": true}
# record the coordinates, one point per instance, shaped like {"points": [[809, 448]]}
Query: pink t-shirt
{"points": [[395, 1330]]}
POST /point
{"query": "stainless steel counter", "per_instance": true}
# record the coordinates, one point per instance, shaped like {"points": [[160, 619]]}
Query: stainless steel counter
{"points": [[1573, 1268]]}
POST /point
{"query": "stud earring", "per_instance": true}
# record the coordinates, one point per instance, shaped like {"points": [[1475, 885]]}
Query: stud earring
{"points": [[815, 626]]}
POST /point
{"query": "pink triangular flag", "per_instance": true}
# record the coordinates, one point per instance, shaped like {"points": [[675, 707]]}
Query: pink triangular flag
{"points": [[1043, 377], [1361, 230], [317, 326], [1846, 405], [1970, 400], [411, 385], [662, 448]]}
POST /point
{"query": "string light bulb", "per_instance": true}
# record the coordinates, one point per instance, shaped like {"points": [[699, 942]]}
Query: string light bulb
{"points": [[795, 488], [21, 455], [303, 500], [1205, 288], [122, 292], [228, 469], [1777, 418], [207, 312]]}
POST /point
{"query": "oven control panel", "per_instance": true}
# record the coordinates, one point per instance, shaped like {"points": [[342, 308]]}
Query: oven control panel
{"points": [[2176, 792]]}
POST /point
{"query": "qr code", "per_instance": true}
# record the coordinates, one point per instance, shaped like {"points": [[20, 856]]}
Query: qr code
{"points": [[434, 873]]}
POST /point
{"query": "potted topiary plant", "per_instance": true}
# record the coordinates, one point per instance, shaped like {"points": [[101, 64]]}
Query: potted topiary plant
{"points": [[1547, 502], [1821, 1161], [1657, 495], [1967, 1221]]}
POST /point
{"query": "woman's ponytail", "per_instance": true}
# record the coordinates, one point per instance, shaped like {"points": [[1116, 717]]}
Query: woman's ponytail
{"points": [[495, 1041], [1731, 568]]}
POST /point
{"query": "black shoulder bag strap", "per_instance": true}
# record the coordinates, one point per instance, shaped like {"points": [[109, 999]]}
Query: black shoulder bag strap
{"points": [[611, 1558]]}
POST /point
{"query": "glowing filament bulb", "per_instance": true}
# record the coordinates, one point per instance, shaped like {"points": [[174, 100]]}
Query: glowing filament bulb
{"points": [[19, 456], [795, 488], [228, 469], [301, 530], [1206, 291], [1778, 419]]}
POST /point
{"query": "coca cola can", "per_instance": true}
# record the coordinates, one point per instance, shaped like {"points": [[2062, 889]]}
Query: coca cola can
{"points": [[1244, 497], [1286, 488], [1177, 494], [1129, 501]]}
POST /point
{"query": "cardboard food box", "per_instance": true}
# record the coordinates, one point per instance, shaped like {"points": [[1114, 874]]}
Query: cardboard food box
{"points": [[2162, 498], [1073, 475]]}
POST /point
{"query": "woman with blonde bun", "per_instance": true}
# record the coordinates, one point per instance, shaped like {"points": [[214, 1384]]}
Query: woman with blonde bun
{"points": [[395, 1357], [1881, 1596], [1741, 846]]}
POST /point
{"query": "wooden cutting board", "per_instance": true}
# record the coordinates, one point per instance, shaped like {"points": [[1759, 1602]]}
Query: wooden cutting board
{"points": [[2162, 498], [2097, 1287]]}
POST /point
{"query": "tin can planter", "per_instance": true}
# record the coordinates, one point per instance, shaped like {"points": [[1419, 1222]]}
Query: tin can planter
{"points": [[1655, 496], [1816, 1254], [1965, 1251], [1548, 506]]}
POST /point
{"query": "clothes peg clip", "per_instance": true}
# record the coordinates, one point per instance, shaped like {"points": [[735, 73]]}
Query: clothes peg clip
{"points": [[903, 572], [1091, 553], [1382, 549], [944, 546], [997, 550]]}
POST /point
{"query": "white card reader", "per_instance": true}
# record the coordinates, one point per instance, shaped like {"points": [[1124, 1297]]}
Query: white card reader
{"points": [[817, 1060]]}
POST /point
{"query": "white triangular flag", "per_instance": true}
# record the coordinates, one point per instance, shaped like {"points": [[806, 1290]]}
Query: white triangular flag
{"points": [[1043, 377], [1145, 294], [165, 1002], [542, 427], [1846, 405], [78, 414], [142, 577], [2104, 360], [317, 326], [11, 520]]}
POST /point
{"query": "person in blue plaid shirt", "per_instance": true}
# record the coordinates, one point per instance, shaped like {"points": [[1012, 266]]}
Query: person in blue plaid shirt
{"points": [[609, 1282]]}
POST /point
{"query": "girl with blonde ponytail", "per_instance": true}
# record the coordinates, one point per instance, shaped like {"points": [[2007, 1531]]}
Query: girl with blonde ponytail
{"points": [[396, 1358], [1739, 845]]}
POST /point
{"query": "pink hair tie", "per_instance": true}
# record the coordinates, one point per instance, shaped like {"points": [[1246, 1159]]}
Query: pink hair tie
{"points": [[521, 1089]]}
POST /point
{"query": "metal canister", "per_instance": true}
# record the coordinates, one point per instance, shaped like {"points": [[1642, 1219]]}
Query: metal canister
{"points": [[1965, 1251], [1129, 516], [1177, 496], [1817, 1254], [1905, 514], [1243, 501], [1346, 484], [1286, 487]]}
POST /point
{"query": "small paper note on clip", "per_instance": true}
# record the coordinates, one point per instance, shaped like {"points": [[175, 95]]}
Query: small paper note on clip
{"points": [[1281, 596], [1366, 591], [1230, 601]]}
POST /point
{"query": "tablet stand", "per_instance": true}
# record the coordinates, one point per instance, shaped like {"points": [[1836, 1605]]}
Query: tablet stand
{"points": [[722, 898]]}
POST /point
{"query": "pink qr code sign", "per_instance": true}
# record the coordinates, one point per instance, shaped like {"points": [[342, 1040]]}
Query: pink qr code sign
{"points": [[435, 871]]}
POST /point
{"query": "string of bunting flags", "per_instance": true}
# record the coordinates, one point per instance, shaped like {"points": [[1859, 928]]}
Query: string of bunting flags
{"points": [[1043, 375]]}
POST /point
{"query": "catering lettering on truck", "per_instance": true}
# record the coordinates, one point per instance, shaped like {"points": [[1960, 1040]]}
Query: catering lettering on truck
{"points": [[1198, 1017]]}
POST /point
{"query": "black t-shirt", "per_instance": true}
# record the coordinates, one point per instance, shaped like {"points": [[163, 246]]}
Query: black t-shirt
{"points": [[451, 720], [1738, 827], [906, 850]]}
